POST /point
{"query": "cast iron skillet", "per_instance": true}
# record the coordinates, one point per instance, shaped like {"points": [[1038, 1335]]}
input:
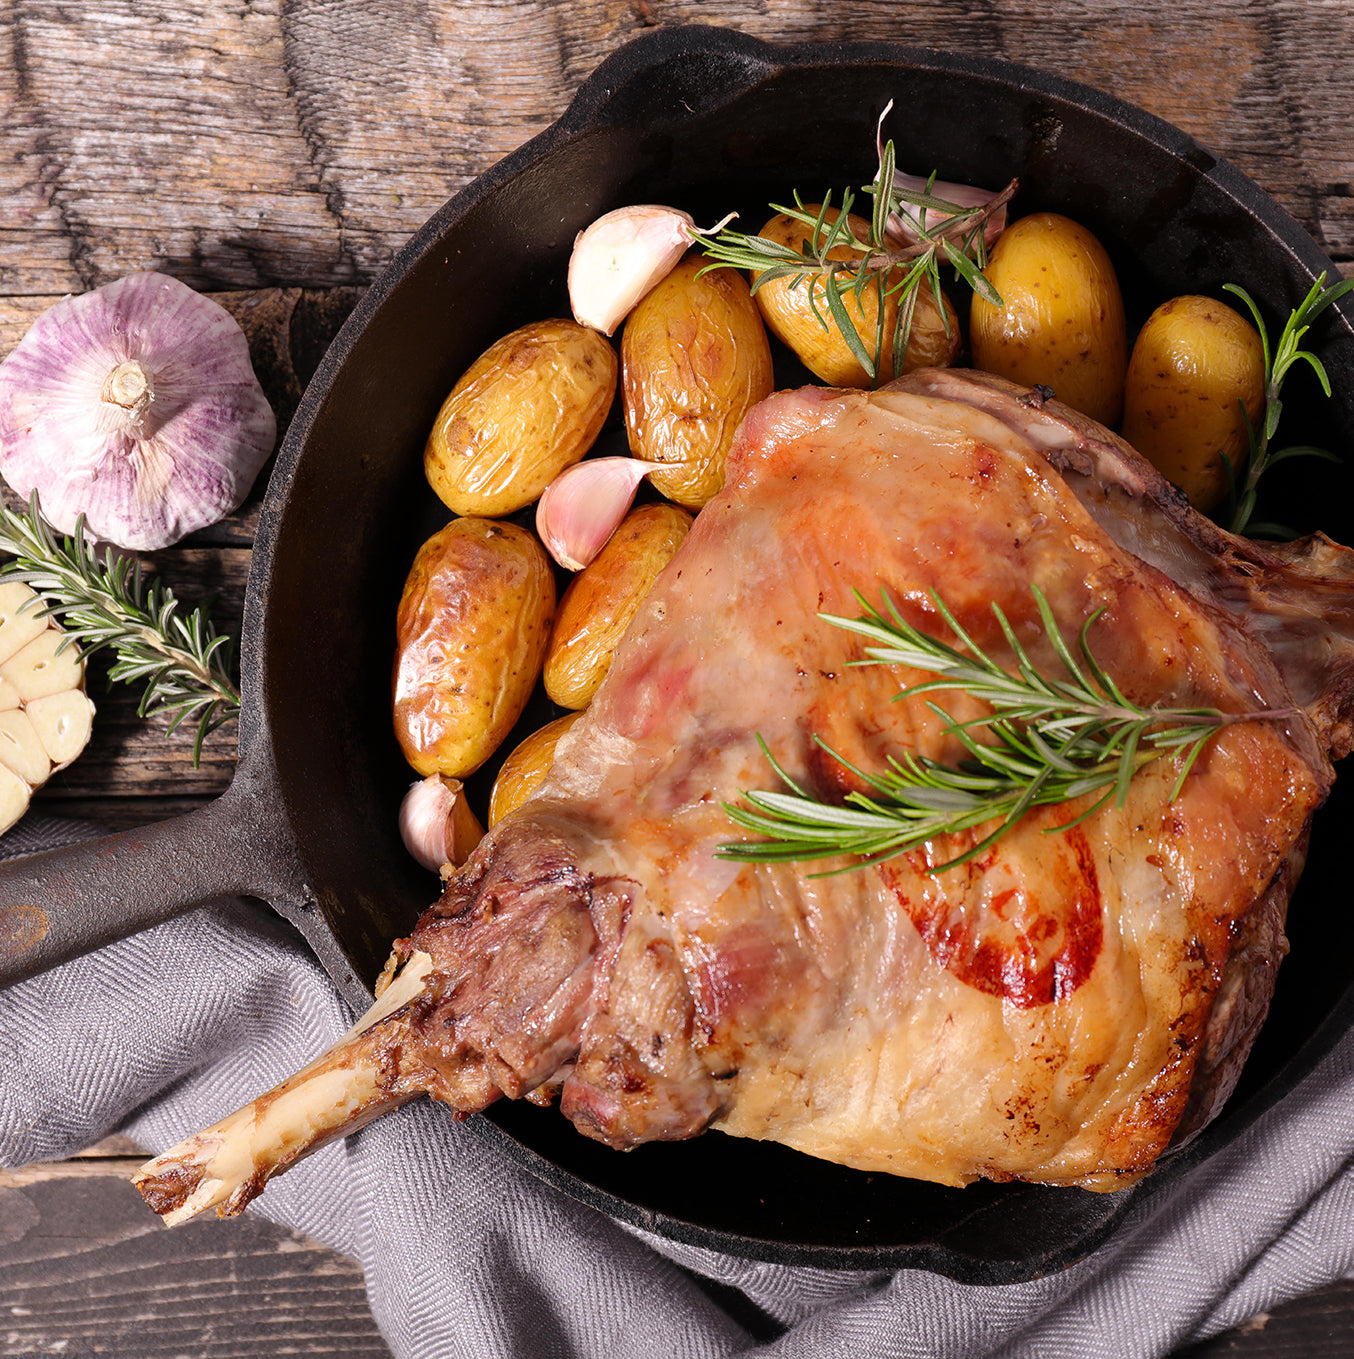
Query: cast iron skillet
{"points": [[709, 120]]}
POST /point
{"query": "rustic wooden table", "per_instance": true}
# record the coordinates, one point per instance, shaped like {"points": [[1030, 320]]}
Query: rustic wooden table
{"points": [[276, 154]]}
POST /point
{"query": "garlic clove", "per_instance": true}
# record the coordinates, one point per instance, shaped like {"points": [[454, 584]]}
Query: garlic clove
{"points": [[14, 797], [21, 749], [620, 257], [63, 722], [18, 625], [436, 823], [43, 667], [9, 696], [902, 228], [584, 506]]}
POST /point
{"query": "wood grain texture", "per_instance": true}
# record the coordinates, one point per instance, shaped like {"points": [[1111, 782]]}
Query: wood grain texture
{"points": [[84, 1269], [299, 143], [1317, 1326]]}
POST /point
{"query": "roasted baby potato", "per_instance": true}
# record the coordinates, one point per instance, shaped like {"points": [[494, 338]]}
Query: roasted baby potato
{"points": [[1061, 322], [531, 405], [602, 599], [694, 358], [523, 772], [789, 311], [471, 633], [1195, 365]]}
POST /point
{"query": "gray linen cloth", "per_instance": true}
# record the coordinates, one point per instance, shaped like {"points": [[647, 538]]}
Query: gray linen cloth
{"points": [[467, 1255]]}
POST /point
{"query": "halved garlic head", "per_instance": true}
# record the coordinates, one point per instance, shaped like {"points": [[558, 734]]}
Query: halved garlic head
{"points": [[45, 716]]}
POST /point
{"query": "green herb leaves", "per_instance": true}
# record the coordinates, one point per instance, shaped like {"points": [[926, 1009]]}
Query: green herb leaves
{"points": [[1278, 362], [836, 263], [182, 660], [1046, 741]]}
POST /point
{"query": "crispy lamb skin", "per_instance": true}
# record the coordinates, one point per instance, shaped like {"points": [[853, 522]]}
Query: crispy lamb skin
{"points": [[1058, 1009]]}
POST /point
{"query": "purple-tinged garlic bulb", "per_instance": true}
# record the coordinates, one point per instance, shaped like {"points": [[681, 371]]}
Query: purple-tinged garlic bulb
{"points": [[135, 405]]}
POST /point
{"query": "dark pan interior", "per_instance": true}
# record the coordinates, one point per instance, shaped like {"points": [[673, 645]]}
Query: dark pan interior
{"points": [[712, 122]]}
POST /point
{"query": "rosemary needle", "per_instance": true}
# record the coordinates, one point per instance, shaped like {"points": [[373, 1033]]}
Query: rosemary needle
{"points": [[946, 233], [181, 659], [1048, 741], [1278, 360]]}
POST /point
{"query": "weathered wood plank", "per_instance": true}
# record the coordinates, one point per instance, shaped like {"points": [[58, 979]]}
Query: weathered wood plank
{"points": [[300, 143], [1316, 1326], [84, 1268], [77, 1168]]}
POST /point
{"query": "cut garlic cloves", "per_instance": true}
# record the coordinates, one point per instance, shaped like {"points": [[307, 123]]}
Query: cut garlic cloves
{"points": [[622, 255], [44, 667], [436, 823], [584, 506], [18, 625], [45, 716], [63, 723], [14, 797], [21, 749]]}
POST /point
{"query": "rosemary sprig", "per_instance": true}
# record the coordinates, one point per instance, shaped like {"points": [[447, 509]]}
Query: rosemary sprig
{"points": [[1047, 741], [1278, 362], [184, 663], [946, 233]]}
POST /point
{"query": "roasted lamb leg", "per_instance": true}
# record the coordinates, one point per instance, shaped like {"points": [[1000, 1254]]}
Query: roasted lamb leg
{"points": [[1059, 1008]]}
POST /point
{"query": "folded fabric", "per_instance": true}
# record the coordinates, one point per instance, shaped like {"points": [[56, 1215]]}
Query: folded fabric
{"points": [[467, 1254]]}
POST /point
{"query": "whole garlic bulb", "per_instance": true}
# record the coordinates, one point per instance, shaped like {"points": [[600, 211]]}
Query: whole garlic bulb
{"points": [[135, 405]]}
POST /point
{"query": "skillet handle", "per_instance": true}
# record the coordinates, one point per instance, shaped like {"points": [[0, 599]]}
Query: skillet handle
{"points": [[60, 903]]}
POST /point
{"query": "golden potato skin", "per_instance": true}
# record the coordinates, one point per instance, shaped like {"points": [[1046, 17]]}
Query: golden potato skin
{"points": [[531, 405], [523, 772], [1195, 363], [1061, 322], [932, 343], [602, 600], [694, 358], [471, 633]]}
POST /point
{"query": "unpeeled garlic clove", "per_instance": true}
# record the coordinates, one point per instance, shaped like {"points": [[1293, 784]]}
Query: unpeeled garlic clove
{"points": [[620, 257], [902, 229], [585, 504], [436, 823]]}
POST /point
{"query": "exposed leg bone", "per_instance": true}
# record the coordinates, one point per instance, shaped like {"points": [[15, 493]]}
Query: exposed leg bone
{"points": [[354, 1082]]}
